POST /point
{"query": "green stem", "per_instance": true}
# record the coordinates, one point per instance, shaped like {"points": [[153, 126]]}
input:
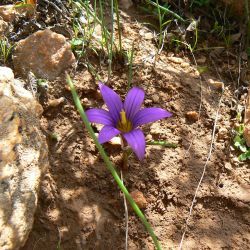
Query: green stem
{"points": [[118, 26], [162, 143], [167, 10], [110, 165], [160, 24]]}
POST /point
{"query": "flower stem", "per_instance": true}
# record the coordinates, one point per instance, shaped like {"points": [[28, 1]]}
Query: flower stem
{"points": [[109, 164]]}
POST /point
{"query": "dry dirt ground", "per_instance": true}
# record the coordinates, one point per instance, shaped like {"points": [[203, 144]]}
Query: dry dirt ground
{"points": [[80, 206]]}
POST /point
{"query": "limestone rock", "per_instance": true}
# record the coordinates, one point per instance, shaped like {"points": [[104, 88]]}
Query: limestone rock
{"points": [[45, 53], [23, 160]]}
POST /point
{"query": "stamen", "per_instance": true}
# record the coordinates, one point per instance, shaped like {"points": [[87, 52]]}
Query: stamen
{"points": [[123, 117], [124, 124]]}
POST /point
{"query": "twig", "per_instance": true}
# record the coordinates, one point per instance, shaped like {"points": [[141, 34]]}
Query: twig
{"points": [[126, 217], [203, 173], [204, 167]]}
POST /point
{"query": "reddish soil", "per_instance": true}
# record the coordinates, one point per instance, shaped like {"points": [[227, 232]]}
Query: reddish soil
{"points": [[80, 206]]}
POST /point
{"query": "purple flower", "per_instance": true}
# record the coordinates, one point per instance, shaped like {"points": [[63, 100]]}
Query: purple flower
{"points": [[125, 118]]}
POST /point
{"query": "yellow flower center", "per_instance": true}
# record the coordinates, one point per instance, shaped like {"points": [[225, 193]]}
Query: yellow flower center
{"points": [[124, 124]]}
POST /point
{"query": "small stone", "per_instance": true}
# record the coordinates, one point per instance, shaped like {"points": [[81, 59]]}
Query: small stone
{"points": [[56, 102], [176, 60], [235, 160], [45, 53], [148, 36], [185, 65], [139, 199], [216, 84], [148, 101], [155, 98], [199, 206], [228, 166], [201, 60], [192, 116], [87, 102], [67, 87], [116, 140], [222, 133]]}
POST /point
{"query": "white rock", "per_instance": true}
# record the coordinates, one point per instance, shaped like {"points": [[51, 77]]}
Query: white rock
{"points": [[23, 160]]}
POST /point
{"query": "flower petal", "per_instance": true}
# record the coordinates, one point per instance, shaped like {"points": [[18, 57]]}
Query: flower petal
{"points": [[133, 102], [112, 100], [107, 133], [136, 141], [100, 116], [147, 115]]}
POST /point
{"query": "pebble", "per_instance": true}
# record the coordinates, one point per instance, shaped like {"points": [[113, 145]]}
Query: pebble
{"points": [[199, 206], [222, 133], [67, 87], [56, 102], [139, 199], [116, 140], [192, 116], [185, 65], [155, 98], [201, 60], [216, 84], [176, 60], [148, 36], [149, 137], [148, 101], [228, 166]]}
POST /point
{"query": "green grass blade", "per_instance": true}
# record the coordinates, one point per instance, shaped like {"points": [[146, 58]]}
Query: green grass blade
{"points": [[167, 11], [109, 164]]}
